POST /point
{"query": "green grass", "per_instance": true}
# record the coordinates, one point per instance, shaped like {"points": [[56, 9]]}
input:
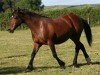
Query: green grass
{"points": [[15, 51]]}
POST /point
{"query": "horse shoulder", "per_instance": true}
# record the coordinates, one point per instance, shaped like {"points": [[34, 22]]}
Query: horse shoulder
{"points": [[42, 34]]}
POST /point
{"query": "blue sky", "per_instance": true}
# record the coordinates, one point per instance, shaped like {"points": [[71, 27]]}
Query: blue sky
{"points": [[69, 2]]}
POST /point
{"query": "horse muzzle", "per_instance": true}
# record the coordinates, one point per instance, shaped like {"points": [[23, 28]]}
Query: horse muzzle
{"points": [[10, 31]]}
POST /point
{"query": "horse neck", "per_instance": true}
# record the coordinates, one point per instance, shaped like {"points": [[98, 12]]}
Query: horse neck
{"points": [[32, 22]]}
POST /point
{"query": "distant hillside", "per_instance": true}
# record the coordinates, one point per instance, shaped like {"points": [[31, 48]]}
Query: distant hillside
{"points": [[72, 6]]}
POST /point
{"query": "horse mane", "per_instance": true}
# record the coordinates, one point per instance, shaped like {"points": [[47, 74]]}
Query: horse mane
{"points": [[30, 13]]}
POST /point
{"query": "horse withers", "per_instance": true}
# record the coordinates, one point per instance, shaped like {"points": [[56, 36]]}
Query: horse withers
{"points": [[46, 31]]}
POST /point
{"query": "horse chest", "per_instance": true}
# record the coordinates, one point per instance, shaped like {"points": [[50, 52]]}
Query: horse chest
{"points": [[40, 37]]}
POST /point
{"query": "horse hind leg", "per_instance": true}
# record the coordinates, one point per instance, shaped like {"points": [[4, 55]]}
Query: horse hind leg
{"points": [[85, 53], [79, 46], [76, 56]]}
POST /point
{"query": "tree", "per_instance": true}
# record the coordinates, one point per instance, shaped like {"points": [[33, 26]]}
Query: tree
{"points": [[35, 5], [9, 4], [88, 10], [1, 7]]}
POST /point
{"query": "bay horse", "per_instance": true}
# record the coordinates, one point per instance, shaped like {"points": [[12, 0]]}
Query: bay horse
{"points": [[46, 31]]}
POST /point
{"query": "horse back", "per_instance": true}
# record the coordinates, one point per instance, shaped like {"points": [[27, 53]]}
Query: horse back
{"points": [[62, 25]]}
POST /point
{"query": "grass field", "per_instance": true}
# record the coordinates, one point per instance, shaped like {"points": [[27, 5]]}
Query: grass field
{"points": [[15, 50]]}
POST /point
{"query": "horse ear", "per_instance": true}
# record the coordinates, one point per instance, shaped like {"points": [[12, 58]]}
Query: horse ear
{"points": [[18, 9]]}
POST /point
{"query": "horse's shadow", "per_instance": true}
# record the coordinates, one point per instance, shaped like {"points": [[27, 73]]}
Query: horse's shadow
{"points": [[15, 70], [11, 70], [83, 64]]}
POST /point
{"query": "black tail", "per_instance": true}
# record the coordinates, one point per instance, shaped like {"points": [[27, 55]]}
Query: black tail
{"points": [[87, 32]]}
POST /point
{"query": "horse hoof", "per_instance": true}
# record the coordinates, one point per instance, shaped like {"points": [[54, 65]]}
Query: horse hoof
{"points": [[88, 61], [75, 65], [29, 69], [62, 65]]}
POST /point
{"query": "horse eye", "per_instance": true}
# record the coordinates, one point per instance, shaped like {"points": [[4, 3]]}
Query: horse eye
{"points": [[15, 17], [12, 16]]}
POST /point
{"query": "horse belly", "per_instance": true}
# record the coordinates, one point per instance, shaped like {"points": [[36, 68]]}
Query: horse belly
{"points": [[61, 39]]}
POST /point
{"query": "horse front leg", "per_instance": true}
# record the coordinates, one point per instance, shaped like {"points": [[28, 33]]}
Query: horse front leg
{"points": [[52, 47], [35, 50]]}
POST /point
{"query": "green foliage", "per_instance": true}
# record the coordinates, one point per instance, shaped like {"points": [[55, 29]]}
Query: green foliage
{"points": [[23, 4], [92, 15], [35, 5], [1, 6], [8, 4], [4, 19], [55, 13]]}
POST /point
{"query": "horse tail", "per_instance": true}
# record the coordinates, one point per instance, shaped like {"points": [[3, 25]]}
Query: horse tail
{"points": [[88, 32]]}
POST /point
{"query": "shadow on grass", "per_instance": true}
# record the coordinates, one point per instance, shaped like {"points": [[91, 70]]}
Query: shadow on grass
{"points": [[16, 70], [47, 67], [83, 64], [14, 56], [11, 70]]}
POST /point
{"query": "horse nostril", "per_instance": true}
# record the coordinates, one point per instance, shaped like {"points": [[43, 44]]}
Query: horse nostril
{"points": [[9, 30]]}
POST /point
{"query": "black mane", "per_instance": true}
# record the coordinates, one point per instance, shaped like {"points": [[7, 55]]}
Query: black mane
{"points": [[30, 13]]}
